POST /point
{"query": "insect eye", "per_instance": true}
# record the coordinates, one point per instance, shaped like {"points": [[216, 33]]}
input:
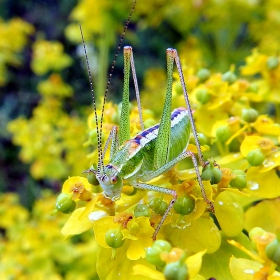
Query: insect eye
{"points": [[114, 180]]}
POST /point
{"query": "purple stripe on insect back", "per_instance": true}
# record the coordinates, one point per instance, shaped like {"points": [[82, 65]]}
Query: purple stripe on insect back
{"points": [[151, 133]]}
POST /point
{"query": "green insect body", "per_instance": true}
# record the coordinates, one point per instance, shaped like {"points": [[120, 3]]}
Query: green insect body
{"points": [[154, 150], [135, 159]]}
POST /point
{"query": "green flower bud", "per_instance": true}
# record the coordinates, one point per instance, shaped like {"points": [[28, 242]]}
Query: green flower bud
{"points": [[272, 62], [203, 74], [201, 138], [176, 271], [63, 202], [184, 205], [203, 96], [114, 238], [158, 205], [153, 257], [162, 245], [249, 115], [223, 133], [71, 208], [255, 157], [239, 181], [272, 251], [92, 179], [141, 210], [229, 77], [209, 172]]}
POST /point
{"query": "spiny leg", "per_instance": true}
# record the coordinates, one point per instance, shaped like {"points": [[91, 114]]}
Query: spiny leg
{"points": [[124, 120], [136, 89], [182, 80], [163, 169], [162, 145], [211, 205], [148, 187], [170, 164]]}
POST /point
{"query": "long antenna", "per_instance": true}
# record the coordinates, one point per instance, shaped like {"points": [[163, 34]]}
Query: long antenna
{"points": [[113, 65], [99, 142], [100, 165]]}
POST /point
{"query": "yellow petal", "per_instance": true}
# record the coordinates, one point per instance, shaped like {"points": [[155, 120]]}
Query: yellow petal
{"points": [[76, 226], [89, 207], [229, 214], [194, 263], [100, 228], [136, 250], [243, 269], [147, 272], [262, 184]]}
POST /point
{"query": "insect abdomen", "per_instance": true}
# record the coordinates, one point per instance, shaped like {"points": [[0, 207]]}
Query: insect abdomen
{"points": [[142, 146]]}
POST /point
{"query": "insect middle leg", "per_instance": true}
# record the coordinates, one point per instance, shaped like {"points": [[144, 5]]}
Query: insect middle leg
{"points": [[162, 170]]}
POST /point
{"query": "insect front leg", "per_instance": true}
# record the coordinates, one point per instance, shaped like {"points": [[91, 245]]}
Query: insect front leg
{"points": [[149, 187]]}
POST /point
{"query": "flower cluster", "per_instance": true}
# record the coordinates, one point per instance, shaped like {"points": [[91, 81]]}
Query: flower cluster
{"points": [[14, 36], [31, 244]]}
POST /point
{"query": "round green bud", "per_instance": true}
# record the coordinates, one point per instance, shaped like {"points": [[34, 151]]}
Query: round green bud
{"points": [[211, 173], [63, 202], [217, 176], [203, 96], [114, 238], [203, 74], [176, 271], [223, 133], [256, 231], [153, 257], [201, 138], [272, 62], [253, 87], [255, 157], [239, 181], [184, 205], [162, 245], [158, 205], [229, 77], [71, 208], [272, 251], [141, 210], [249, 115], [92, 179]]}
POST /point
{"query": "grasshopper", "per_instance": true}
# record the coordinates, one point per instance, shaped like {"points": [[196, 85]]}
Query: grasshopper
{"points": [[154, 150]]}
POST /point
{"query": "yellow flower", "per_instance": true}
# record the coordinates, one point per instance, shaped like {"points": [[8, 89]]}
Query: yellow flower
{"points": [[139, 232], [55, 86], [265, 125], [255, 63], [49, 56], [254, 142]]}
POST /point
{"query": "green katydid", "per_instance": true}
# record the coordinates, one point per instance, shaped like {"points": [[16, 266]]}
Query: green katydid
{"points": [[154, 150]]}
